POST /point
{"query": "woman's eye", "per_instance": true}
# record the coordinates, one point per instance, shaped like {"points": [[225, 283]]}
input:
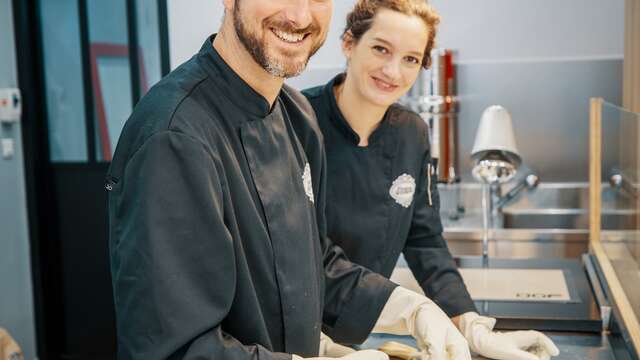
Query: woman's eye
{"points": [[380, 49], [412, 60]]}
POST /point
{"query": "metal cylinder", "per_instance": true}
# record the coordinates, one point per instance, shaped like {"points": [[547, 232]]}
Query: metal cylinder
{"points": [[433, 97]]}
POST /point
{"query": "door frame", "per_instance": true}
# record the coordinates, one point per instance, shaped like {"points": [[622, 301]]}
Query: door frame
{"points": [[42, 201]]}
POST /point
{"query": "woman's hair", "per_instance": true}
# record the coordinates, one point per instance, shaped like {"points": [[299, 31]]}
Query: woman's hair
{"points": [[360, 19]]}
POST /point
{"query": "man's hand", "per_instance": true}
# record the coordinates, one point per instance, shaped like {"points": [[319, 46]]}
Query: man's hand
{"points": [[514, 345], [356, 355], [408, 313]]}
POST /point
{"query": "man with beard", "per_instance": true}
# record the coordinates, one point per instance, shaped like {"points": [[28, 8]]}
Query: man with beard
{"points": [[217, 232]]}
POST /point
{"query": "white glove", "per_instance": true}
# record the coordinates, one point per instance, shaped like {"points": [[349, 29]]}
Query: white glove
{"points": [[514, 345], [331, 349], [408, 313], [356, 355]]}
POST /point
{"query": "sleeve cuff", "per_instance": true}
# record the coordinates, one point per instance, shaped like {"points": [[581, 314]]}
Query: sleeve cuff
{"points": [[360, 314], [453, 298]]}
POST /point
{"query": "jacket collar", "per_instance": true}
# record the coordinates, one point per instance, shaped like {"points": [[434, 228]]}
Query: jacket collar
{"points": [[341, 123], [236, 89]]}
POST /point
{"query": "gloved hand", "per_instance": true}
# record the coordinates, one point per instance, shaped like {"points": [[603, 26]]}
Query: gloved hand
{"points": [[513, 345], [329, 348], [408, 313], [356, 355]]}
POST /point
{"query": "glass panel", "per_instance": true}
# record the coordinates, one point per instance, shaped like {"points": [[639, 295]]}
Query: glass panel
{"points": [[110, 71], [63, 80], [621, 197], [149, 56]]}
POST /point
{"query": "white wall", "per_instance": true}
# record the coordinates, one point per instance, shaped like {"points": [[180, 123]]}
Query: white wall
{"points": [[191, 21], [542, 59], [482, 30], [16, 293], [489, 30]]}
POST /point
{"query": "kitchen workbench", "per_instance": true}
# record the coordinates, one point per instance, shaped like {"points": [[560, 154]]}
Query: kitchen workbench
{"points": [[573, 346]]}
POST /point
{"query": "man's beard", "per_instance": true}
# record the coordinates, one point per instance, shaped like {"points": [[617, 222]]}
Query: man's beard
{"points": [[258, 49]]}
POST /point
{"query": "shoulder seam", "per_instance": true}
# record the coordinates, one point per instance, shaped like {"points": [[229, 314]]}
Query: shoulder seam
{"points": [[168, 127], [163, 132], [183, 99]]}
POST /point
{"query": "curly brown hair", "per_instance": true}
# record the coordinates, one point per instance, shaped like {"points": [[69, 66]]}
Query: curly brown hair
{"points": [[360, 19]]}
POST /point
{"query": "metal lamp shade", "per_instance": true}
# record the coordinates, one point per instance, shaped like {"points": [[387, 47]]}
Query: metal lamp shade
{"points": [[495, 134], [494, 150]]}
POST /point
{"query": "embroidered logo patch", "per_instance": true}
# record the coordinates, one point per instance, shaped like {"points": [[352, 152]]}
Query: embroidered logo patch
{"points": [[402, 190], [306, 182]]}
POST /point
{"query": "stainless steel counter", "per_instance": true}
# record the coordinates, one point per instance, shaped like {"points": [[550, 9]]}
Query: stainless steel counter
{"points": [[583, 346], [551, 222], [573, 346]]}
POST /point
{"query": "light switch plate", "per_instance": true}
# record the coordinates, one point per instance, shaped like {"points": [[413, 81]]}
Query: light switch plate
{"points": [[10, 105], [8, 148]]}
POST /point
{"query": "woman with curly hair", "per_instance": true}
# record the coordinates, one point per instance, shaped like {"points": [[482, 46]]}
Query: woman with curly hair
{"points": [[382, 196]]}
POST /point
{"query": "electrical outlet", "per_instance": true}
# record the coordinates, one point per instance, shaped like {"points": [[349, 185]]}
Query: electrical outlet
{"points": [[8, 148]]}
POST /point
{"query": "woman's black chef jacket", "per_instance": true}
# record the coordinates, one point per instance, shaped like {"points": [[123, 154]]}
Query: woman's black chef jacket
{"points": [[217, 231], [370, 211]]}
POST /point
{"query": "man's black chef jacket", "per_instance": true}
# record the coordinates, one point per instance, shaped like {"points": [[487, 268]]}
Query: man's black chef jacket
{"points": [[217, 230], [378, 198]]}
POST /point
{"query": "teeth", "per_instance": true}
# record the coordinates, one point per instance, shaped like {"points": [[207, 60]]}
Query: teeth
{"points": [[288, 37], [384, 84]]}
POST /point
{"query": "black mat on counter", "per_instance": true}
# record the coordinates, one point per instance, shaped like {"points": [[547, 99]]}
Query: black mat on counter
{"points": [[581, 314]]}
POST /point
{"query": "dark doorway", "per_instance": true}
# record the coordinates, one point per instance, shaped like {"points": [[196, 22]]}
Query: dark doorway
{"points": [[83, 65]]}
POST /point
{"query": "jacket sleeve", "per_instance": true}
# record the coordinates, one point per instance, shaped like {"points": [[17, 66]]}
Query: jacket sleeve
{"points": [[426, 250], [354, 295], [172, 257]]}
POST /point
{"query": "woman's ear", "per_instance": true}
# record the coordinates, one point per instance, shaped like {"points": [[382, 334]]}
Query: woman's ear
{"points": [[348, 43]]}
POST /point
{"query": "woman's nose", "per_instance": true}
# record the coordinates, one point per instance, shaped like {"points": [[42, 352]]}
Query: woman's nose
{"points": [[392, 69]]}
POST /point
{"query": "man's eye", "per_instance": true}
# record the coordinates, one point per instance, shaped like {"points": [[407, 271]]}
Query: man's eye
{"points": [[380, 49]]}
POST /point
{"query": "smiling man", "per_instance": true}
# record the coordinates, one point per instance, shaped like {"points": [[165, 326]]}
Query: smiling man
{"points": [[276, 43], [217, 233]]}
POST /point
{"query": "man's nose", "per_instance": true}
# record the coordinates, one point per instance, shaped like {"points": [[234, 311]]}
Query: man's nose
{"points": [[299, 13]]}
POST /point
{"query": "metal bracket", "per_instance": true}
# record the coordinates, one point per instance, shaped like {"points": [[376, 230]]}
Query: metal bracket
{"points": [[598, 290], [620, 181]]}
